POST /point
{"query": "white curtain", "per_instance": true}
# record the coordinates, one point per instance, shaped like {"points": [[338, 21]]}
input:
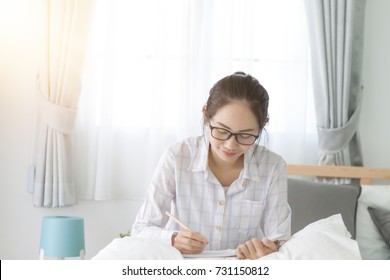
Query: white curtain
{"points": [[150, 66], [62, 40]]}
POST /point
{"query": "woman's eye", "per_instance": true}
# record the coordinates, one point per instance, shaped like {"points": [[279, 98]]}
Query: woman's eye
{"points": [[221, 131], [245, 136]]}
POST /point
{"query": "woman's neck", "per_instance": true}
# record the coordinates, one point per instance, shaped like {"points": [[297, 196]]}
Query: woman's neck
{"points": [[216, 162], [225, 172]]}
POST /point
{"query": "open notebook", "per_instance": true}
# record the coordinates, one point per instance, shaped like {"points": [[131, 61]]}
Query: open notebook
{"points": [[213, 254]]}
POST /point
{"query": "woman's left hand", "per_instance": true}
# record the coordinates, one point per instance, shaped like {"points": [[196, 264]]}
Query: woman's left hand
{"points": [[255, 248]]}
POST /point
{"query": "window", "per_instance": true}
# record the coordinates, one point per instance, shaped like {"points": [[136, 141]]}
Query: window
{"points": [[149, 69]]}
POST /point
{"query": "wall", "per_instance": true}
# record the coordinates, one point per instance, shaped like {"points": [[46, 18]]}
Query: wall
{"points": [[374, 126], [20, 222]]}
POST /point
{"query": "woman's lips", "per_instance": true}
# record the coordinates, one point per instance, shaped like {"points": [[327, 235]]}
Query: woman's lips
{"points": [[228, 154]]}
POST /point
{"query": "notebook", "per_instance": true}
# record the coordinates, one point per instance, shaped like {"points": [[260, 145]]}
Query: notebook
{"points": [[213, 254]]}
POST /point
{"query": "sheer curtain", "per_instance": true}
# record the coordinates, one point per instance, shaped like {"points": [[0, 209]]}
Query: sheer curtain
{"points": [[62, 42], [150, 66]]}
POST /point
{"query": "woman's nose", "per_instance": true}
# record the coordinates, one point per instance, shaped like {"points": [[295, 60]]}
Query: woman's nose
{"points": [[231, 143]]}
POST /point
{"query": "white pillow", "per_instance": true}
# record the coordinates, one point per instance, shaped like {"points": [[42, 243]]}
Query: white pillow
{"points": [[325, 239], [371, 244], [134, 248]]}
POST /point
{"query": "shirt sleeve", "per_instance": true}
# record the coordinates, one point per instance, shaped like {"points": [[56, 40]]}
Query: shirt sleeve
{"points": [[151, 220], [277, 215]]}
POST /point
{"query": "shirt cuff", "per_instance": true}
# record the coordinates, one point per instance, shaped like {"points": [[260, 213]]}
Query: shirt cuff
{"points": [[166, 236]]}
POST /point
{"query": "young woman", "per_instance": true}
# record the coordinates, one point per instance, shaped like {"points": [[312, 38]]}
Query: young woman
{"points": [[229, 191]]}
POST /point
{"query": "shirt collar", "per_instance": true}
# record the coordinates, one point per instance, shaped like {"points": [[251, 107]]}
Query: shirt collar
{"points": [[251, 164], [199, 155]]}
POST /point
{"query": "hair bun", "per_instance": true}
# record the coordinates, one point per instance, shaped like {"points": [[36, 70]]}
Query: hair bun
{"points": [[239, 73]]}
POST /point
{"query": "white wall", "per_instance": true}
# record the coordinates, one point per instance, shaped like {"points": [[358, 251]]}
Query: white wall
{"points": [[375, 127], [20, 222]]}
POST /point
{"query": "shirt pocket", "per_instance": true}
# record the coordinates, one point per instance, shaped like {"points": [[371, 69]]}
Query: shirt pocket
{"points": [[251, 214]]}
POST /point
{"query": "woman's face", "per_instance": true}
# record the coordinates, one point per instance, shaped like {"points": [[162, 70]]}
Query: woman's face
{"points": [[235, 117]]}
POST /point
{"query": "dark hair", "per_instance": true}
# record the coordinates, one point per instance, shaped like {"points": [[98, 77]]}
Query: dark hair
{"points": [[239, 86]]}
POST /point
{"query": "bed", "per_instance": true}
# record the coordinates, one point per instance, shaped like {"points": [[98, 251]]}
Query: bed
{"points": [[329, 221], [364, 205]]}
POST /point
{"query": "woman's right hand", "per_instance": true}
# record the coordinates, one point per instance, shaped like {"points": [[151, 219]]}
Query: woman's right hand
{"points": [[189, 242]]}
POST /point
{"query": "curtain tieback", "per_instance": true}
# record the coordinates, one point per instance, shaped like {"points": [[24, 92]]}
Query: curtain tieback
{"points": [[60, 118], [334, 140]]}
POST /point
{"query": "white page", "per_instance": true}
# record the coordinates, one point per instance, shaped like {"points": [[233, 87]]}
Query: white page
{"points": [[213, 254]]}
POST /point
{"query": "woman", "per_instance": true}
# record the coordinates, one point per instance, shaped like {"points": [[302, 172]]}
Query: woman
{"points": [[228, 190]]}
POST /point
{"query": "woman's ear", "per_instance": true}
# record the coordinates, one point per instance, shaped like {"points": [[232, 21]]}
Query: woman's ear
{"points": [[264, 123], [205, 114], [204, 109]]}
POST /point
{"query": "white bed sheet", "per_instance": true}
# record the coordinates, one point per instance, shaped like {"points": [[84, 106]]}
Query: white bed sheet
{"points": [[326, 239], [134, 248]]}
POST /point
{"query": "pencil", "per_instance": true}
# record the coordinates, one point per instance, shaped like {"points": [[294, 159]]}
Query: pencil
{"points": [[177, 221]]}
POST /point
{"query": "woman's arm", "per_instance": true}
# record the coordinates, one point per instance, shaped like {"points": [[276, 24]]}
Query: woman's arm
{"points": [[276, 218], [277, 213], [150, 221]]}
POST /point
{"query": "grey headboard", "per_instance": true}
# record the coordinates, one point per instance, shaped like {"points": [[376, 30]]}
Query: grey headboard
{"points": [[311, 201]]}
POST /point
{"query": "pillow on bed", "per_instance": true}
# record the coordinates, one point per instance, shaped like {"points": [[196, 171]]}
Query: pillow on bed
{"points": [[323, 200], [134, 248], [371, 243], [325, 239], [381, 219]]}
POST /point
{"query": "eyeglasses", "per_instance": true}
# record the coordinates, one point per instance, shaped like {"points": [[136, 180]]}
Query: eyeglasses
{"points": [[224, 134]]}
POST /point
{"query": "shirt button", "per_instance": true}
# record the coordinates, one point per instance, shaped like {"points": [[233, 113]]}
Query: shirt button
{"points": [[218, 228], [221, 202]]}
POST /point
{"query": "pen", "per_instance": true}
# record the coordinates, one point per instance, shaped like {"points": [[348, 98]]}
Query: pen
{"points": [[177, 221]]}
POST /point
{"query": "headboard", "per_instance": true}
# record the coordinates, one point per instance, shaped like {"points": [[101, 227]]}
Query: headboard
{"points": [[311, 201], [364, 174]]}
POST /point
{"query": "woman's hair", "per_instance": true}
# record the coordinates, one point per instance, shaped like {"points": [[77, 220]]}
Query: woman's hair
{"points": [[238, 86]]}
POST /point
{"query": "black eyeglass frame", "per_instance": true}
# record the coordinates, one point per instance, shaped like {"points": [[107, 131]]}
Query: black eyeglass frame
{"points": [[231, 134]]}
